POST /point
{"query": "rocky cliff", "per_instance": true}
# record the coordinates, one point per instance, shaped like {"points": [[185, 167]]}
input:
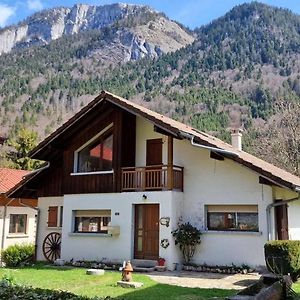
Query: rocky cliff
{"points": [[140, 31]]}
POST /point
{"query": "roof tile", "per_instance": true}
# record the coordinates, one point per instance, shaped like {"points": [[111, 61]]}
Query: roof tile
{"points": [[9, 178]]}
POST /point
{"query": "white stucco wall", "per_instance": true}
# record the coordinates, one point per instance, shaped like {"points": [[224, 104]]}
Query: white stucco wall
{"points": [[294, 220], [11, 239], [144, 132], [43, 230], [209, 181], [97, 247]]}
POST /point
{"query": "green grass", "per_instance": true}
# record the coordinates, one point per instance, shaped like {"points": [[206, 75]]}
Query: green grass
{"points": [[76, 281], [296, 287]]}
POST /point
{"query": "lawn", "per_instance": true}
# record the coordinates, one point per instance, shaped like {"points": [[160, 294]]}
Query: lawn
{"points": [[296, 287], [76, 281]]}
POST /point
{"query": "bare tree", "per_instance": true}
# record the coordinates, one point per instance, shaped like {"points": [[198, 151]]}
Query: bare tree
{"points": [[279, 142]]}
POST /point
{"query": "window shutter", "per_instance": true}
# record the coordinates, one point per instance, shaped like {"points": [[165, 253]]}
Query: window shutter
{"points": [[52, 216]]}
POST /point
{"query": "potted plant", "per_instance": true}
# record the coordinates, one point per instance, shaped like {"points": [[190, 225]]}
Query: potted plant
{"points": [[187, 237], [161, 261]]}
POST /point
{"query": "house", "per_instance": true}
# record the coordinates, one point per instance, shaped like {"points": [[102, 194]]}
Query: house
{"points": [[17, 215], [119, 178]]}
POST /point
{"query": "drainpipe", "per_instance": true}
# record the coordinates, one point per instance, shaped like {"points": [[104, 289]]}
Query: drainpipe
{"points": [[214, 149], [37, 224], [3, 228], [275, 204], [38, 170]]}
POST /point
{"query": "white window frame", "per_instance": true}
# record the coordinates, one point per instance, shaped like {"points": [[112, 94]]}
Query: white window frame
{"points": [[99, 213], [234, 209], [76, 152]]}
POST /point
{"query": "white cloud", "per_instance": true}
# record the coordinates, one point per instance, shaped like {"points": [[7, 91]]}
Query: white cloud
{"points": [[35, 4], [5, 13]]}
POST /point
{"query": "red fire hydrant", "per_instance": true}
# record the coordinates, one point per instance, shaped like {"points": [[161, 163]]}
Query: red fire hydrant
{"points": [[127, 272]]}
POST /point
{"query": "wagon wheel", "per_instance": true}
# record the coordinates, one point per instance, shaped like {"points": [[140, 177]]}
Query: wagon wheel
{"points": [[51, 246]]}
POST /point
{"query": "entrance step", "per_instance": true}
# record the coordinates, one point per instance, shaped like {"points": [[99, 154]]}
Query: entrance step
{"points": [[143, 265]]}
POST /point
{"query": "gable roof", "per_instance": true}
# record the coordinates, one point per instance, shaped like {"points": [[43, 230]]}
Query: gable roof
{"points": [[179, 130], [9, 178]]}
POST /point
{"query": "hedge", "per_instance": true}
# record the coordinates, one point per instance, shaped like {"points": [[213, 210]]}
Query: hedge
{"points": [[283, 258], [17, 292]]}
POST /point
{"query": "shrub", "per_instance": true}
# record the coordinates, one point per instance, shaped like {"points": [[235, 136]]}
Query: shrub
{"points": [[187, 237], [283, 257], [18, 255]]}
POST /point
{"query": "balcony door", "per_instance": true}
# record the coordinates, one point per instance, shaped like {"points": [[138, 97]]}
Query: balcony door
{"points": [[154, 152], [154, 158], [146, 237]]}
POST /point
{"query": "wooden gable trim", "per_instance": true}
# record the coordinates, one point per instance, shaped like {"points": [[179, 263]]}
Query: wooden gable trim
{"points": [[265, 181], [162, 125], [264, 173], [217, 156]]}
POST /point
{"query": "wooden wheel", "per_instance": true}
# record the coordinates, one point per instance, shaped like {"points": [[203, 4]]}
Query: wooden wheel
{"points": [[51, 246]]}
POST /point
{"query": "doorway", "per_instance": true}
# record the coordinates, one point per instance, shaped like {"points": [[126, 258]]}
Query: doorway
{"points": [[146, 233], [281, 213]]}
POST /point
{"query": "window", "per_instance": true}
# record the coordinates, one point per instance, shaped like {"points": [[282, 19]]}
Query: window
{"points": [[92, 221], [96, 156], [17, 223], [232, 217]]}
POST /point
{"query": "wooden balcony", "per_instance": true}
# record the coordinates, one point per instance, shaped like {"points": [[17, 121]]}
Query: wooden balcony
{"points": [[152, 178]]}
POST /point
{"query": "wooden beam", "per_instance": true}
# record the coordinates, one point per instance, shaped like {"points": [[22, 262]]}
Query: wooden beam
{"points": [[263, 180], [170, 163], [216, 156]]}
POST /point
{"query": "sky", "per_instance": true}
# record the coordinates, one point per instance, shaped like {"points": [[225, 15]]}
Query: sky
{"points": [[191, 13]]}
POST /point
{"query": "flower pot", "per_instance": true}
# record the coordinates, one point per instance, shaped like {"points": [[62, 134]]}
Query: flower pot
{"points": [[161, 262]]}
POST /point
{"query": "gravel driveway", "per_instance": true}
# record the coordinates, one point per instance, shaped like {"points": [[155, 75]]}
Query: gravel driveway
{"points": [[205, 280]]}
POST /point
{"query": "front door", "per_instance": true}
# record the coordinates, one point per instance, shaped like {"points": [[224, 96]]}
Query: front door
{"points": [[281, 213], [146, 237]]}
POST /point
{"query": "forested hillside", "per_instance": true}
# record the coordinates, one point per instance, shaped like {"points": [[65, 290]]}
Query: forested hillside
{"points": [[242, 70]]}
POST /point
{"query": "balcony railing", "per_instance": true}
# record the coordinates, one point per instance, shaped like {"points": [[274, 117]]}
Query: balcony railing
{"points": [[162, 177]]}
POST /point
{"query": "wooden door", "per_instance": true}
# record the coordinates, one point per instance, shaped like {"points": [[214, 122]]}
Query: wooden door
{"points": [[154, 152], [154, 158], [281, 213], [146, 241]]}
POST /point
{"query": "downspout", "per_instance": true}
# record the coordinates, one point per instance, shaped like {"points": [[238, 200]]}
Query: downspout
{"points": [[275, 204], [214, 149], [38, 170], [3, 228], [36, 227]]}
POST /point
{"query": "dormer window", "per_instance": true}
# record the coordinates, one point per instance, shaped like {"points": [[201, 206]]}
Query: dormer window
{"points": [[97, 154]]}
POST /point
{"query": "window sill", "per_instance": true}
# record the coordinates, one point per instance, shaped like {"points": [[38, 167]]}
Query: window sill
{"points": [[17, 236], [92, 173], [232, 232], [54, 227], [90, 234]]}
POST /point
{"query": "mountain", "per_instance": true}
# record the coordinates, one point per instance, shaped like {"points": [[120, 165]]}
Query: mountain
{"points": [[147, 33], [229, 73]]}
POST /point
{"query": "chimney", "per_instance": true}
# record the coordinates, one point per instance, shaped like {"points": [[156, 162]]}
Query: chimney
{"points": [[236, 139]]}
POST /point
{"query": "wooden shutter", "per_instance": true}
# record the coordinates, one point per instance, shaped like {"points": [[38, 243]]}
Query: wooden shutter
{"points": [[52, 216]]}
